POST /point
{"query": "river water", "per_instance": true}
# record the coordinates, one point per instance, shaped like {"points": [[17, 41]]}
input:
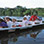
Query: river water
{"points": [[33, 36]]}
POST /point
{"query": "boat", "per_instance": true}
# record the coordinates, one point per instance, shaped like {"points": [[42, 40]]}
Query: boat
{"points": [[12, 29], [21, 28]]}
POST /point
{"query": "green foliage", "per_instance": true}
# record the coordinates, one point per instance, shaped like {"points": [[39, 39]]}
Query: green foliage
{"points": [[27, 11], [21, 11]]}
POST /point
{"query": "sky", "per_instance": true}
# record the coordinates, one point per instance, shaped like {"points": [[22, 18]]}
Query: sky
{"points": [[24, 3]]}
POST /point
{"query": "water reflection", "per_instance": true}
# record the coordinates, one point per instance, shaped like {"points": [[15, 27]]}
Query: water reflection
{"points": [[23, 37]]}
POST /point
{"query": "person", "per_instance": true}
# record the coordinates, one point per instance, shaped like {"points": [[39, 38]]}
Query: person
{"points": [[3, 24], [27, 16], [7, 17], [33, 18], [25, 22], [9, 22], [15, 23], [40, 19]]}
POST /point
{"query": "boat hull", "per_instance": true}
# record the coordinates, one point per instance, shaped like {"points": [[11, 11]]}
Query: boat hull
{"points": [[37, 26]]}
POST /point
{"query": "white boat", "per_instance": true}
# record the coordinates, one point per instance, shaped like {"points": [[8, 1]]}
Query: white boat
{"points": [[16, 28], [21, 28]]}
